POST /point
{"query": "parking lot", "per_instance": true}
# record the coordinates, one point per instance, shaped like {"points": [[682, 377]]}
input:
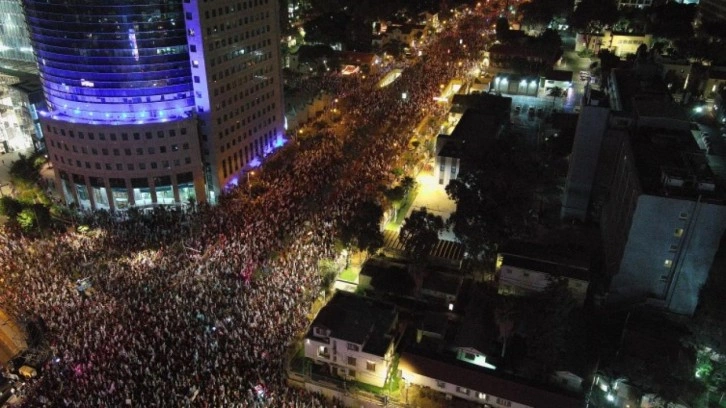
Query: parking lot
{"points": [[528, 115]]}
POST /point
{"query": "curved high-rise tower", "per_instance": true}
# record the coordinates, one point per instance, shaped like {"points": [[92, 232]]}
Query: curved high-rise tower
{"points": [[155, 101]]}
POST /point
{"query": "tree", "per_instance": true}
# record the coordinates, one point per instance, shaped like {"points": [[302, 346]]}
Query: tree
{"points": [[26, 219], [547, 320], [420, 233], [506, 316], [395, 195], [591, 15], [10, 207], [408, 184], [673, 20], [555, 92], [502, 29], [534, 15], [550, 39], [493, 194], [364, 228]]}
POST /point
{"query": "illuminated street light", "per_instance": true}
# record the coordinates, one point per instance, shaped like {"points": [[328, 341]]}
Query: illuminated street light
{"points": [[404, 95]]}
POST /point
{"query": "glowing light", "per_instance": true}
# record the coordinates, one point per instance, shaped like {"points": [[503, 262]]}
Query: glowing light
{"points": [[255, 162], [280, 141]]}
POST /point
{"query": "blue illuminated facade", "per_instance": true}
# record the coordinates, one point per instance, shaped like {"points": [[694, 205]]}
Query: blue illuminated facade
{"points": [[156, 101], [111, 62]]}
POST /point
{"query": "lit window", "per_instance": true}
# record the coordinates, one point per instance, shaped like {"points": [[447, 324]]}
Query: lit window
{"points": [[481, 395], [678, 232], [667, 263]]}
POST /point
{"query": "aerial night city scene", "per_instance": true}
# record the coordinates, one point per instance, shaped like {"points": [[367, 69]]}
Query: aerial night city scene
{"points": [[363, 203]]}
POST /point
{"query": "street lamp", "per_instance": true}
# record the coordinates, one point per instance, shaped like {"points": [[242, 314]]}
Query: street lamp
{"points": [[250, 173]]}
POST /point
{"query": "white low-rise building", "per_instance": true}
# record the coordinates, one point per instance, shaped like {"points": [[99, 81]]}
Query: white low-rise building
{"points": [[467, 381], [355, 337]]}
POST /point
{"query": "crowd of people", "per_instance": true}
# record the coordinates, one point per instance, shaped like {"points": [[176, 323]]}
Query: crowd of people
{"points": [[204, 308]]}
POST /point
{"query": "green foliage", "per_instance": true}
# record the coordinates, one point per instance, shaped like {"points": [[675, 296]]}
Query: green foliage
{"points": [[420, 233], [408, 184], [494, 194], [364, 228], [395, 195], [24, 169], [26, 219], [592, 15], [10, 207], [673, 21], [502, 29]]}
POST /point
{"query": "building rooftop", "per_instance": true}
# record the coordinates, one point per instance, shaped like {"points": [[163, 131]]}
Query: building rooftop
{"points": [[629, 84], [359, 320], [483, 380], [441, 283], [499, 105], [571, 261], [670, 163]]}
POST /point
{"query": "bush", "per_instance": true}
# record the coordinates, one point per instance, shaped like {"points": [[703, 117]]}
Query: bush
{"points": [[10, 207]]}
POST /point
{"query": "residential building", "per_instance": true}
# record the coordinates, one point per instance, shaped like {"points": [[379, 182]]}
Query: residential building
{"points": [[713, 84], [475, 130], [523, 268], [620, 44], [355, 337], [156, 103], [665, 215], [481, 385], [628, 3]]}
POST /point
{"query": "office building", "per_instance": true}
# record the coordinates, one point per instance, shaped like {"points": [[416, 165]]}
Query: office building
{"points": [[665, 215], [156, 103], [14, 40]]}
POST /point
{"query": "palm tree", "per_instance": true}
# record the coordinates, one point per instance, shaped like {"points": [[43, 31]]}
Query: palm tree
{"points": [[556, 92]]}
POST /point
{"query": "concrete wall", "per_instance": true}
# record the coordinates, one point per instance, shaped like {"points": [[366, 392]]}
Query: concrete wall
{"points": [[591, 127], [339, 353], [669, 251]]}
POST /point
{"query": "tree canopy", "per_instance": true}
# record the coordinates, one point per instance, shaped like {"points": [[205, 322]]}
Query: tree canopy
{"points": [[591, 15], [494, 194], [672, 20], [364, 228], [420, 233]]}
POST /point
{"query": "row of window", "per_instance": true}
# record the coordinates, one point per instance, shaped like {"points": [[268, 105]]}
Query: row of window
{"points": [[139, 151], [480, 395], [113, 136], [240, 5], [232, 163], [165, 164], [370, 365]]}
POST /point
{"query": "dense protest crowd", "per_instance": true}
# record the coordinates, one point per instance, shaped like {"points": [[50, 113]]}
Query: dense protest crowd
{"points": [[202, 308]]}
